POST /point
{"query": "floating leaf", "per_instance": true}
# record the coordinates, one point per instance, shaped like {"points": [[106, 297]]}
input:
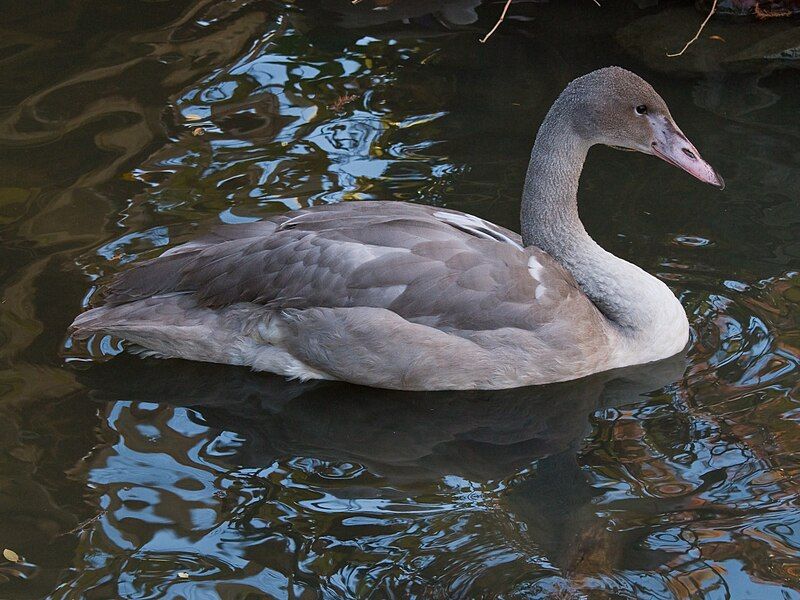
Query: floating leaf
{"points": [[198, 131], [10, 555], [193, 117], [29, 454]]}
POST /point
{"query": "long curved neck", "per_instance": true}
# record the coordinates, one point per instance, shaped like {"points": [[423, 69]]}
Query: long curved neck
{"points": [[624, 293]]}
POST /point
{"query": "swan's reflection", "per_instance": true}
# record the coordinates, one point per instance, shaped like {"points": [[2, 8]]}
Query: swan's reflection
{"points": [[484, 435], [224, 458]]}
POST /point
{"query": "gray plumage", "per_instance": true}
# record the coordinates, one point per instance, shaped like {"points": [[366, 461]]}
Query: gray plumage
{"points": [[401, 296], [391, 291], [390, 255]]}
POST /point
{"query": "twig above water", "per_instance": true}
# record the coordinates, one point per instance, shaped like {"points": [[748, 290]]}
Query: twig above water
{"points": [[496, 25], [699, 31], [500, 20]]}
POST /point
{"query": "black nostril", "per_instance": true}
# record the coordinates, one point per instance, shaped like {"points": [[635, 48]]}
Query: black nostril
{"points": [[689, 153]]}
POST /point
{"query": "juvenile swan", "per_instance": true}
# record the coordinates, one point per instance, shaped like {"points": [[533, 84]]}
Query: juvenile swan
{"points": [[410, 297]]}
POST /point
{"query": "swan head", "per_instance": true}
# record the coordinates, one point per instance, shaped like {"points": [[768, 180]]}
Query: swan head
{"points": [[617, 108]]}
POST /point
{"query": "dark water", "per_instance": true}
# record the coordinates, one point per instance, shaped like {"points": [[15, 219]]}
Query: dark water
{"points": [[127, 126]]}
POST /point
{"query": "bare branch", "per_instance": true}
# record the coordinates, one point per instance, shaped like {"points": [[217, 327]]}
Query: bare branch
{"points": [[500, 20], [496, 25], [699, 31]]}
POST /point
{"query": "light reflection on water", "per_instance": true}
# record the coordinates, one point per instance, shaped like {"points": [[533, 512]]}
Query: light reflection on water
{"points": [[125, 129]]}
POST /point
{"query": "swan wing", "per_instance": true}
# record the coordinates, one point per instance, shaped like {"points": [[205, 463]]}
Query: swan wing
{"points": [[431, 266]]}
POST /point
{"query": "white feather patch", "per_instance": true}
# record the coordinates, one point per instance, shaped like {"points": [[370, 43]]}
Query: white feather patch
{"points": [[535, 268]]}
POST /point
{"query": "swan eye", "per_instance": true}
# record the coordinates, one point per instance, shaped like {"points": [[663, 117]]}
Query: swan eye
{"points": [[641, 109]]}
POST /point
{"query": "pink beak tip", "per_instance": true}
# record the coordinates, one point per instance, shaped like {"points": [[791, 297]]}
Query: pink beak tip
{"points": [[720, 184], [680, 153]]}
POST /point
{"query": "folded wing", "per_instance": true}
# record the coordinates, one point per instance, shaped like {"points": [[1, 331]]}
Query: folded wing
{"points": [[430, 266]]}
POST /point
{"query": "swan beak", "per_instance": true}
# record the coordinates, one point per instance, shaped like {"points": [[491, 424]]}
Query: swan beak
{"points": [[671, 145]]}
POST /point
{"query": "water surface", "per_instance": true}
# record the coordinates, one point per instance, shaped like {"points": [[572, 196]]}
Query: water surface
{"points": [[128, 126]]}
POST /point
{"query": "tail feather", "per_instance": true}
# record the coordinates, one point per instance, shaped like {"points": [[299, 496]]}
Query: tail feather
{"points": [[87, 324], [168, 326], [150, 314]]}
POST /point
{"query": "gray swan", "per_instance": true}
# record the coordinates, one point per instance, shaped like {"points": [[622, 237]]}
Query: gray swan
{"points": [[412, 297]]}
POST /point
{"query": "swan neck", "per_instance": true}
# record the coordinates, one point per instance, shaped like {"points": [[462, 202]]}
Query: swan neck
{"points": [[637, 304], [549, 212]]}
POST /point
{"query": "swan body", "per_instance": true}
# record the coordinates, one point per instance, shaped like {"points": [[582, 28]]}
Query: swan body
{"points": [[404, 296]]}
